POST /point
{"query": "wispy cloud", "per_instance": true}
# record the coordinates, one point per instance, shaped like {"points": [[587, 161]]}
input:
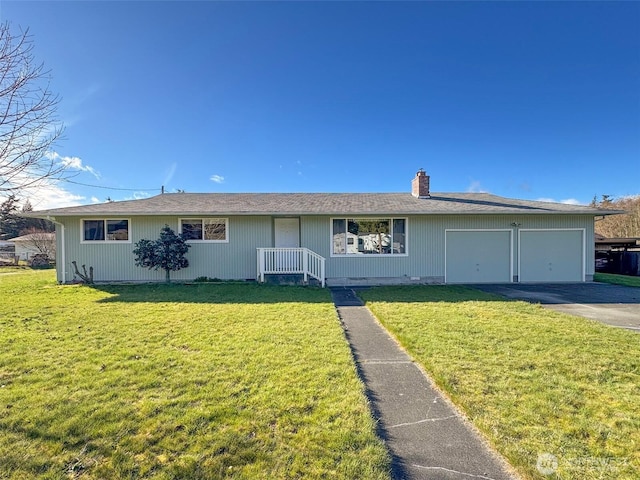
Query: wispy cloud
{"points": [[169, 174], [95, 200], [566, 201], [74, 163], [86, 93], [76, 102], [217, 178], [475, 187]]}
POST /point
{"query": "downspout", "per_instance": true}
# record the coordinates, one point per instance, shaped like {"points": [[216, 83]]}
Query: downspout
{"points": [[62, 250]]}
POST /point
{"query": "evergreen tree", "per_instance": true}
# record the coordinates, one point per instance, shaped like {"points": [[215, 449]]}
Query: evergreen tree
{"points": [[29, 224], [11, 224], [166, 253]]}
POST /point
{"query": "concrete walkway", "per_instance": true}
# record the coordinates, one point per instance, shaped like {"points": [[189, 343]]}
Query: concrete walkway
{"points": [[427, 437]]}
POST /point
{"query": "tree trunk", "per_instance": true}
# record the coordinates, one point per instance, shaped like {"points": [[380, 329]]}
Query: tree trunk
{"points": [[167, 277]]}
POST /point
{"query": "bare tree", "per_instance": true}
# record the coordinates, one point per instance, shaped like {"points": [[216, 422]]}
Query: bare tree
{"points": [[28, 122], [40, 241], [625, 225]]}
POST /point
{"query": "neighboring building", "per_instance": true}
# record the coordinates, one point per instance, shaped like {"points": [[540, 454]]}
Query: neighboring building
{"points": [[347, 238], [7, 252], [604, 244], [617, 255], [32, 244]]}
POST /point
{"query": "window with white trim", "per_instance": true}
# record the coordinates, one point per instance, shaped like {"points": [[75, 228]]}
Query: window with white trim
{"points": [[368, 236], [105, 230], [205, 229]]}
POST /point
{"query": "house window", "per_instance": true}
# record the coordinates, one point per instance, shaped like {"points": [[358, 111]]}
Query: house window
{"points": [[105, 230], [368, 236], [204, 229]]}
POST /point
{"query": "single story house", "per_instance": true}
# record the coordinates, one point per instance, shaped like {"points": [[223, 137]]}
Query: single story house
{"points": [[26, 246], [343, 238]]}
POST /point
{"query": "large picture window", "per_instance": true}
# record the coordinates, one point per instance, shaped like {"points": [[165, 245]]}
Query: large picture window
{"points": [[368, 236], [204, 229], [105, 230]]}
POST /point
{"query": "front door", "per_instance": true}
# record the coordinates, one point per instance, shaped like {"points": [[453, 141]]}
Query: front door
{"points": [[287, 232]]}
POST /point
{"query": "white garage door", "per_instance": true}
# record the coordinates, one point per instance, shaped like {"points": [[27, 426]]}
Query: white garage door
{"points": [[551, 256], [478, 256]]}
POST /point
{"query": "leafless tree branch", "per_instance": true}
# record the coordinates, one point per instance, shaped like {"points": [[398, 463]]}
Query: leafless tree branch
{"points": [[41, 241], [29, 125], [626, 225]]}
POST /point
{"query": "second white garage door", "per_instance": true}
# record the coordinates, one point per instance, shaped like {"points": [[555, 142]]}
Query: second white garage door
{"points": [[478, 256], [552, 255]]}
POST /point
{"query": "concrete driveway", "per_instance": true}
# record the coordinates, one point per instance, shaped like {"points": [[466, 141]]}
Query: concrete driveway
{"points": [[611, 304]]}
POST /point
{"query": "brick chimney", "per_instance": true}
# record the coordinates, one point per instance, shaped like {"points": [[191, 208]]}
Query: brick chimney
{"points": [[420, 185]]}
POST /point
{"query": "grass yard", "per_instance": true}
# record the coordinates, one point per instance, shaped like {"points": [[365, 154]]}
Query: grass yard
{"points": [[533, 380], [617, 279], [178, 382]]}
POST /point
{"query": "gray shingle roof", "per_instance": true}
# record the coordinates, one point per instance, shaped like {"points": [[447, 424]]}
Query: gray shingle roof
{"points": [[42, 236], [321, 204]]}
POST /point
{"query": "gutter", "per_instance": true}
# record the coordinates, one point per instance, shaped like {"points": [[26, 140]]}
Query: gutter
{"points": [[62, 250]]}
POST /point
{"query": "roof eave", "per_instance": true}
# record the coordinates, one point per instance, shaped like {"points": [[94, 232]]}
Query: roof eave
{"points": [[53, 215]]}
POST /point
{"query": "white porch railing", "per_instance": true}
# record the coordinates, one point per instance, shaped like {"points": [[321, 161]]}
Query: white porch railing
{"points": [[285, 261]]}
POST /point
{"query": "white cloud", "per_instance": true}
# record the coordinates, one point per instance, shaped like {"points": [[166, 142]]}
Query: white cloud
{"points": [[48, 195], [45, 193], [567, 201], [95, 200], [74, 163], [217, 178], [137, 195], [475, 187]]}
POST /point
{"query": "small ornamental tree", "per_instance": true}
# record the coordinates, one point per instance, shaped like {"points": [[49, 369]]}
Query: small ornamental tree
{"points": [[166, 253]]}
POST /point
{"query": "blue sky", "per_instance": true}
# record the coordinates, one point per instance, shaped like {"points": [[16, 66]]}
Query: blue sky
{"points": [[533, 100]]}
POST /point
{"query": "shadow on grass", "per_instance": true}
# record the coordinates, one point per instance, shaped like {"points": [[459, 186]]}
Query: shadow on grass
{"points": [[212, 293]]}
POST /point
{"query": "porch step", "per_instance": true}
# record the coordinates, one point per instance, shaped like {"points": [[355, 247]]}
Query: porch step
{"points": [[291, 279], [290, 262]]}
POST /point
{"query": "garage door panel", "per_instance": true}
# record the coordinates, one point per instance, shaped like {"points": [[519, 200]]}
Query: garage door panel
{"points": [[478, 256], [551, 256]]}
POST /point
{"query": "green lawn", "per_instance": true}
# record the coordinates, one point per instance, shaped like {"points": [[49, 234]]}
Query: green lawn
{"points": [[533, 380], [617, 279], [178, 382]]}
